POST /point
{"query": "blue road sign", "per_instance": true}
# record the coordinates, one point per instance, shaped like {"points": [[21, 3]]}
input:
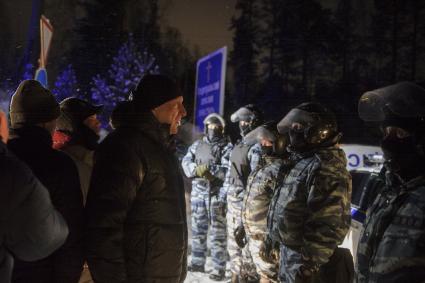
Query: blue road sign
{"points": [[41, 76], [210, 79]]}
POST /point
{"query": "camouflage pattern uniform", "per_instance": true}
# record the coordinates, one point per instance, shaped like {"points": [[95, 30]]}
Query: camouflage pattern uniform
{"points": [[259, 192], [208, 201], [392, 244], [235, 186], [310, 212]]}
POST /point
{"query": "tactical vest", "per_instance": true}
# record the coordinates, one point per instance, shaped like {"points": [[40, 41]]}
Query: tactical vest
{"points": [[207, 153], [239, 164]]}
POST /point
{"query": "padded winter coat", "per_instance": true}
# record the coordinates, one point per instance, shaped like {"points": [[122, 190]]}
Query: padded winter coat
{"points": [[30, 228], [58, 173], [136, 230]]}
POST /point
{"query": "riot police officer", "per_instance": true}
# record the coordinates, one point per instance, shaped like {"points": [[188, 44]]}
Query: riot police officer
{"points": [[206, 162], [262, 182], [392, 244], [243, 159], [310, 211]]}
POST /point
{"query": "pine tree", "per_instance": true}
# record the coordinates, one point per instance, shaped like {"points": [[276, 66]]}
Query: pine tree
{"points": [[245, 51], [100, 33], [28, 72], [271, 89], [128, 67], [66, 84]]}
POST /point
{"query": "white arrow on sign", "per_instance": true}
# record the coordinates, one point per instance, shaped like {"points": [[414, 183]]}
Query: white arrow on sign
{"points": [[46, 34]]}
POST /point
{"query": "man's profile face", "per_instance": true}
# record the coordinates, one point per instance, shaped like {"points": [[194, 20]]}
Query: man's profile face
{"points": [[93, 123], [4, 129], [171, 113]]}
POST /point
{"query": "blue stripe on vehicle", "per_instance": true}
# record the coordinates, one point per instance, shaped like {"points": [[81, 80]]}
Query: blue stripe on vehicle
{"points": [[358, 215]]}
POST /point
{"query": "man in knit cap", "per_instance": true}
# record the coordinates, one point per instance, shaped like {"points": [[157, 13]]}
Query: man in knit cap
{"points": [[77, 133], [136, 215], [30, 227], [33, 114]]}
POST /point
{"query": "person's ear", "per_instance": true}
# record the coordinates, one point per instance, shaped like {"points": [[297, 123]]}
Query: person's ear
{"points": [[4, 129]]}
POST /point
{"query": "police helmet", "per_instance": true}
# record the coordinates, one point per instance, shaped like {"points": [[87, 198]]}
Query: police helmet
{"points": [[214, 119], [250, 114], [315, 122], [268, 131], [401, 104]]}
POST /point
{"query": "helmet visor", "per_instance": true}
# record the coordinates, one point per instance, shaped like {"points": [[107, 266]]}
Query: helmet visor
{"points": [[216, 119], [258, 134], [297, 119], [405, 99]]}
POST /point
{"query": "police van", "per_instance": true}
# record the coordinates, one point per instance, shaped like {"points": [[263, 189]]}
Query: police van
{"points": [[364, 162]]}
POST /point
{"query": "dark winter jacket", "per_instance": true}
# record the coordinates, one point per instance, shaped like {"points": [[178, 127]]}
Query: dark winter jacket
{"points": [[136, 230], [57, 172], [81, 151], [30, 228]]}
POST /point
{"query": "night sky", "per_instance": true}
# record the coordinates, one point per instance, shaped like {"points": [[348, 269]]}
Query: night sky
{"points": [[202, 22], [206, 22]]}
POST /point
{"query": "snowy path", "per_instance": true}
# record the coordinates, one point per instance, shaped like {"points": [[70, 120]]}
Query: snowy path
{"points": [[198, 277]]}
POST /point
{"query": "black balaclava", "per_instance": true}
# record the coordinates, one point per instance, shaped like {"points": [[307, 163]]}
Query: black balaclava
{"points": [[404, 155], [214, 135], [267, 150], [297, 140], [245, 129]]}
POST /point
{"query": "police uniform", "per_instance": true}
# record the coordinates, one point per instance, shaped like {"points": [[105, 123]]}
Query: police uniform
{"points": [[208, 200], [259, 192], [310, 211], [392, 244], [243, 159]]}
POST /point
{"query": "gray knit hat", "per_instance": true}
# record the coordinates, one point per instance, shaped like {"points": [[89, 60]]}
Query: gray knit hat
{"points": [[32, 104]]}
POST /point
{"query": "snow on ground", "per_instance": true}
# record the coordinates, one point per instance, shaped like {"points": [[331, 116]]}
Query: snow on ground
{"points": [[199, 277]]}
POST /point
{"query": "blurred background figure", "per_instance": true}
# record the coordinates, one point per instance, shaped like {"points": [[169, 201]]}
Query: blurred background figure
{"points": [[77, 134], [121, 114]]}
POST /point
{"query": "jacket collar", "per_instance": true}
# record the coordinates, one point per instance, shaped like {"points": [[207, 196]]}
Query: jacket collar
{"points": [[147, 123], [33, 135]]}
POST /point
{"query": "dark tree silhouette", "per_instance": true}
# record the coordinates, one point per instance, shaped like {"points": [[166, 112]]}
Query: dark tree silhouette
{"points": [[245, 50]]}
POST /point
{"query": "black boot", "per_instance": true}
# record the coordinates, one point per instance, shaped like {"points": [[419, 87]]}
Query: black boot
{"points": [[217, 275], [196, 268]]}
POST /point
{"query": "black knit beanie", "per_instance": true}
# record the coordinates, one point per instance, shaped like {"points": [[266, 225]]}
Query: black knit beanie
{"points": [[32, 104], [153, 91]]}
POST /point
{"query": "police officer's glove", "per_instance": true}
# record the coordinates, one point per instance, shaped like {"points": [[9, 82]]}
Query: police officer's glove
{"points": [[269, 252], [201, 169], [240, 236]]}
